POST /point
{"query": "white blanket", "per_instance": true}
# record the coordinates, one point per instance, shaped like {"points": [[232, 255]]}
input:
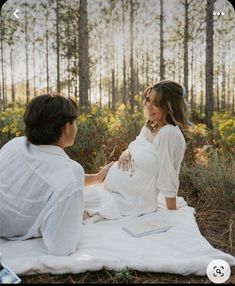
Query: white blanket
{"points": [[180, 250]]}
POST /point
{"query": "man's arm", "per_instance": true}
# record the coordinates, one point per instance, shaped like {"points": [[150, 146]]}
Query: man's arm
{"points": [[97, 178], [91, 179], [171, 203]]}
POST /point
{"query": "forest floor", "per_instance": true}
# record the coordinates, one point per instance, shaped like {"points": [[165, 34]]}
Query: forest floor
{"points": [[215, 225]]}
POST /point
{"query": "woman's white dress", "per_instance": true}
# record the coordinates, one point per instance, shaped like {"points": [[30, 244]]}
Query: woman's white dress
{"points": [[155, 170]]}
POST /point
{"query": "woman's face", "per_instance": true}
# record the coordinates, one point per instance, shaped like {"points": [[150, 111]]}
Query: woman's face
{"points": [[154, 113]]}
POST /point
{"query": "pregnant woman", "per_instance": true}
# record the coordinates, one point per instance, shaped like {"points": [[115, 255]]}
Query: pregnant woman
{"points": [[149, 167]]}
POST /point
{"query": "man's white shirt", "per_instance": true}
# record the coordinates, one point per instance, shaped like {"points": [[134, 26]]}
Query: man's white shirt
{"points": [[41, 194]]}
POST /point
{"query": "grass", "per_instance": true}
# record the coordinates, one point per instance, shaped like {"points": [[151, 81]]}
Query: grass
{"points": [[111, 277]]}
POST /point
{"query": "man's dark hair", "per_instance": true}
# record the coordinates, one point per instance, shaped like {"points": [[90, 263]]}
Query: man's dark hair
{"points": [[45, 115]]}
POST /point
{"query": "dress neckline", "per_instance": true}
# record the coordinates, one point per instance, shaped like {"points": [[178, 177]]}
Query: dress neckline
{"points": [[156, 136]]}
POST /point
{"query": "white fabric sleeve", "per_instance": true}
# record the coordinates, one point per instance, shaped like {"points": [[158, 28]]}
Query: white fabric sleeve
{"points": [[171, 147], [62, 228]]}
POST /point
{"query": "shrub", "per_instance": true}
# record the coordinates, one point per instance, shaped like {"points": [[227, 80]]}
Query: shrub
{"points": [[224, 131], [211, 184], [200, 136], [103, 135], [11, 124], [91, 137]]}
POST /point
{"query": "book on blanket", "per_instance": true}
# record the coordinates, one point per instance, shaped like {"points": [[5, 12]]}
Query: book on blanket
{"points": [[139, 229]]}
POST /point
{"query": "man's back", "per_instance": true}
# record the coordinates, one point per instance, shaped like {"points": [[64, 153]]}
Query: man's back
{"points": [[33, 180]]}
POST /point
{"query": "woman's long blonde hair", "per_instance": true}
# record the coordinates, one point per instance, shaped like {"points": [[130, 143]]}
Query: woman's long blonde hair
{"points": [[171, 96]]}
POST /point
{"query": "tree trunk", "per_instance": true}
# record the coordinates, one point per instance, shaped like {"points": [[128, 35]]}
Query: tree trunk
{"points": [[76, 65], [47, 59], [109, 92], [100, 74], [201, 83], [192, 91], [132, 79], [201, 92], [83, 56], [137, 71], [174, 67], [209, 108], [228, 87], [27, 56], [113, 61], [217, 87], [233, 99], [2, 93], [147, 66], [34, 66], [12, 76], [116, 77], [124, 54], [162, 62], [186, 37], [223, 104], [179, 64], [113, 90], [194, 84], [58, 46], [69, 77]]}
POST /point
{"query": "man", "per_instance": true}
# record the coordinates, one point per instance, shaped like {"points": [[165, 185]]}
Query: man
{"points": [[40, 186]]}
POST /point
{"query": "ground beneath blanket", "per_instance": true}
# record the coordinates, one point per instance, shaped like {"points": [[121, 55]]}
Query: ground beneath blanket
{"points": [[111, 277]]}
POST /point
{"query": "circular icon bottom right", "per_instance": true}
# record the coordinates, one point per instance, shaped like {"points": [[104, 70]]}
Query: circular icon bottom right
{"points": [[218, 271]]}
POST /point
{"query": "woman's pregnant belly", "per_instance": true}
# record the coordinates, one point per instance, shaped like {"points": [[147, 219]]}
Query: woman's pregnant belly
{"points": [[126, 182], [133, 189]]}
